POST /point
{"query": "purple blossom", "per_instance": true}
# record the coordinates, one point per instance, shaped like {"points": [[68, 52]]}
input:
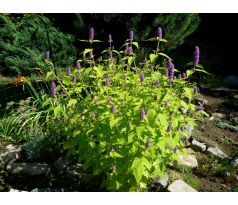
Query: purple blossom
{"points": [[126, 47], [78, 64], [53, 89], [114, 168], [179, 76], [196, 55], [182, 128], [157, 82], [142, 113], [142, 77], [47, 55], [203, 102], [91, 54], [113, 108], [91, 34], [107, 82], [108, 100], [186, 142], [148, 143], [129, 50], [170, 69], [131, 36], [184, 75], [110, 37], [74, 80], [170, 127], [199, 108], [69, 71], [124, 77], [195, 89], [159, 32]]}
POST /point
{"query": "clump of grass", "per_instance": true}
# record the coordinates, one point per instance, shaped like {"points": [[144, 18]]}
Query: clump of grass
{"points": [[192, 181]]}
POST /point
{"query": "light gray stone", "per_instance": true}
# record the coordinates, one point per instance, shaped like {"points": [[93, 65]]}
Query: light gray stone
{"points": [[217, 152], [187, 161], [196, 145], [9, 154], [29, 169], [16, 190], [234, 161], [218, 115], [180, 186], [47, 190], [163, 181]]}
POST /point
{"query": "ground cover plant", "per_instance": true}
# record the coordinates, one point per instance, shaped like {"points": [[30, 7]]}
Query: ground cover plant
{"points": [[125, 119]]}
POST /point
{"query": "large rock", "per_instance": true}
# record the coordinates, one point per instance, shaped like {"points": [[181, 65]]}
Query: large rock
{"points": [[28, 169], [187, 161], [60, 165], [163, 181], [180, 186], [234, 161], [198, 146], [217, 152], [9, 154]]}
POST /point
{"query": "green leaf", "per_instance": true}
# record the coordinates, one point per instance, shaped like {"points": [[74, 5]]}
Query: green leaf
{"points": [[115, 154], [199, 66], [162, 54], [47, 102], [97, 41], [139, 131], [137, 169], [152, 39], [49, 74], [189, 93], [87, 50], [189, 72], [113, 122], [203, 71], [153, 57], [57, 110], [130, 60], [71, 102], [162, 119], [66, 80], [135, 44]]}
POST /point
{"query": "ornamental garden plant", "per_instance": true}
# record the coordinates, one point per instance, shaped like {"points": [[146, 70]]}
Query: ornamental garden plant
{"points": [[124, 119]]}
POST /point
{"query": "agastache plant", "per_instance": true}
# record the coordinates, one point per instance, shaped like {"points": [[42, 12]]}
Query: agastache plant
{"points": [[196, 56], [125, 126]]}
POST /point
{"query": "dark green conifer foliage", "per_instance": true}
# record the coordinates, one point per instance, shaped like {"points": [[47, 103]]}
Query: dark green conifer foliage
{"points": [[25, 38]]}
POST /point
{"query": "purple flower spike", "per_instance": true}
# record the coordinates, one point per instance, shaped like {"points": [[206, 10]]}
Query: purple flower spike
{"points": [[196, 55], [184, 75], [159, 32], [47, 55], [74, 80], [195, 89], [107, 82], [129, 51], [126, 47], [142, 113], [110, 54], [179, 76], [53, 89], [78, 64], [113, 108], [170, 69], [91, 34], [131, 37], [157, 82], [69, 71], [199, 108], [170, 127], [110, 37], [186, 142], [203, 102], [182, 128], [148, 143], [90, 54], [84, 56], [114, 168], [108, 100], [142, 77]]}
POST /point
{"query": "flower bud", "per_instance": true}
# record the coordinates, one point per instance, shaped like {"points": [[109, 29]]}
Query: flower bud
{"points": [[159, 32], [148, 143], [91, 34], [142, 113], [196, 55], [113, 108], [53, 89], [131, 36], [142, 77]]}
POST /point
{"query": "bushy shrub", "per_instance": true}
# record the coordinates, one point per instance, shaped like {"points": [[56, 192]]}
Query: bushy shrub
{"points": [[123, 118]]}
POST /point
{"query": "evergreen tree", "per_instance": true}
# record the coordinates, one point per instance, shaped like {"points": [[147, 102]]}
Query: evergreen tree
{"points": [[24, 38]]}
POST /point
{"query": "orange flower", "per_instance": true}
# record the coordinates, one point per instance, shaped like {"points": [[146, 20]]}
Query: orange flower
{"points": [[19, 79]]}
